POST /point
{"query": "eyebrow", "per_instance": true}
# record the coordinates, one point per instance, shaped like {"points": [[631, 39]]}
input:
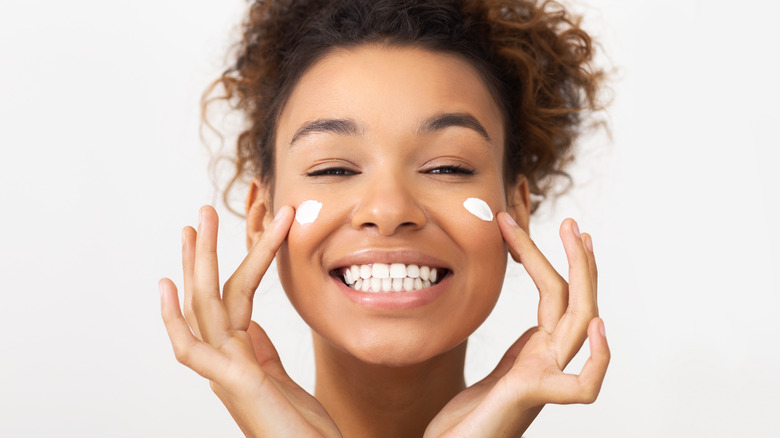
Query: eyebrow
{"points": [[429, 126], [334, 126], [440, 122]]}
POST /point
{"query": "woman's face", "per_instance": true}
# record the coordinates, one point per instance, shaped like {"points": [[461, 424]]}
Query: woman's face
{"points": [[391, 142]]}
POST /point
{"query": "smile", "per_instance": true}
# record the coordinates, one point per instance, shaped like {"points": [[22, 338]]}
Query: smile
{"points": [[395, 277]]}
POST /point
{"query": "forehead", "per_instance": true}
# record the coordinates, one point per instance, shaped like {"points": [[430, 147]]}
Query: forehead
{"points": [[389, 88]]}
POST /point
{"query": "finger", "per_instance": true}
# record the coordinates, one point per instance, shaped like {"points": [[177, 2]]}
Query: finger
{"points": [[207, 305], [239, 291], [571, 331], [553, 295], [595, 368], [587, 240], [506, 362], [265, 353], [585, 387], [188, 349], [580, 284], [188, 237]]}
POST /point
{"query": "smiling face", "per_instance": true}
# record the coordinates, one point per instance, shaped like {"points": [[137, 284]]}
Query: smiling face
{"points": [[391, 142]]}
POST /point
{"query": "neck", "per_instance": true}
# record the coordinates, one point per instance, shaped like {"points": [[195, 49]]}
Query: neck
{"points": [[369, 400]]}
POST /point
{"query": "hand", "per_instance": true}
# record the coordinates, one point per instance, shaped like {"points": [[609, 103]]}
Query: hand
{"points": [[530, 374], [218, 340]]}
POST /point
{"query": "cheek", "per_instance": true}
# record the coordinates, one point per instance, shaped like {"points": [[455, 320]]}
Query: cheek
{"points": [[479, 208], [299, 260], [469, 221], [479, 236], [307, 212]]}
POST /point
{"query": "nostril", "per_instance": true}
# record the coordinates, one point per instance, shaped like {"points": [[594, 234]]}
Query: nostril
{"points": [[387, 213]]}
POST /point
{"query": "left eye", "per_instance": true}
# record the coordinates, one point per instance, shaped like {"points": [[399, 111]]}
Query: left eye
{"points": [[451, 170], [331, 171]]}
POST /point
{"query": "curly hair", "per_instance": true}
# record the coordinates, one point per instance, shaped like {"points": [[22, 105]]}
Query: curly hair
{"points": [[533, 55]]}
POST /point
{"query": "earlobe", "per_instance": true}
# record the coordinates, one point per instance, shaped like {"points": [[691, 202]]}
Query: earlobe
{"points": [[258, 211]]}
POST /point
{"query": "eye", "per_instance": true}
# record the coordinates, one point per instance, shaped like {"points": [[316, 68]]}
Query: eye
{"points": [[331, 171], [451, 170]]}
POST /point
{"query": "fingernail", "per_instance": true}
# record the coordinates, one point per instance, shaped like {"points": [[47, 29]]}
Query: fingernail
{"points": [[575, 228], [200, 216], [601, 329], [589, 242], [183, 236], [508, 219], [160, 287]]}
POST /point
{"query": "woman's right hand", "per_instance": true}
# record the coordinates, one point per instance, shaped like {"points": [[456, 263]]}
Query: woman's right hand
{"points": [[217, 339]]}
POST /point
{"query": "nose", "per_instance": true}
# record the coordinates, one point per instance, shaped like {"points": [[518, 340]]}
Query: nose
{"points": [[387, 203]]}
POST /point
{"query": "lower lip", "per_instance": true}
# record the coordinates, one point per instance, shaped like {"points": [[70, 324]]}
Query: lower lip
{"points": [[394, 300]]}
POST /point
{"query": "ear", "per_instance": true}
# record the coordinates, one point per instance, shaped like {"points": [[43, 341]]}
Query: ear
{"points": [[258, 211], [518, 198]]}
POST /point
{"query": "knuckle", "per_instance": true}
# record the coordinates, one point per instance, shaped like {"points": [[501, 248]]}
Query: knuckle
{"points": [[243, 290], [590, 396], [584, 312], [589, 392], [182, 354], [248, 292]]}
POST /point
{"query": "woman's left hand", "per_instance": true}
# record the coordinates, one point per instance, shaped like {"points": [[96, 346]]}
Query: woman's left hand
{"points": [[530, 374]]}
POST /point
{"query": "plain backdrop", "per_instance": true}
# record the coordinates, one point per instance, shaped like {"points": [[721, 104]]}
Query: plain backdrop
{"points": [[102, 165]]}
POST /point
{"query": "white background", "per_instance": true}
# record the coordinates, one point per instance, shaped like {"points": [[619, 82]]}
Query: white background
{"points": [[101, 166]]}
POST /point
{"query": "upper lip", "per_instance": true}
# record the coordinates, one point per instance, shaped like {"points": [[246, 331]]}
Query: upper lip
{"points": [[406, 256]]}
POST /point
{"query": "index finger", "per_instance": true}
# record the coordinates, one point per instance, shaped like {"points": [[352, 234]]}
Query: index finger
{"points": [[239, 290], [553, 289]]}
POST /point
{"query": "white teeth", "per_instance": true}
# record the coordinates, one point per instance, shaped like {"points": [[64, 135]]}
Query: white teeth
{"points": [[397, 270], [348, 277], [425, 272], [395, 277], [380, 270]]}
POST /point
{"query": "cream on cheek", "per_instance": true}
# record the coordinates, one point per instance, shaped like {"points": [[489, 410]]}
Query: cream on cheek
{"points": [[307, 212], [478, 208]]}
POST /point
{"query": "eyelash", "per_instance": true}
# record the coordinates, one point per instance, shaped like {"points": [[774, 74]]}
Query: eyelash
{"points": [[451, 170], [332, 171], [441, 170]]}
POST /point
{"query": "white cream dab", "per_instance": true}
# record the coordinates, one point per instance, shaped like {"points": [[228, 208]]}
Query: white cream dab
{"points": [[307, 212], [478, 208]]}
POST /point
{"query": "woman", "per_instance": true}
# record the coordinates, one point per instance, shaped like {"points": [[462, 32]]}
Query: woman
{"points": [[394, 148]]}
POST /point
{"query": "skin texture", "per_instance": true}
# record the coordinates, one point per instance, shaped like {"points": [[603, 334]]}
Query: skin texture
{"points": [[391, 201], [392, 189]]}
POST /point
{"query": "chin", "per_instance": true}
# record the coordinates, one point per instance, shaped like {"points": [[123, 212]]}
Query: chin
{"points": [[397, 351]]}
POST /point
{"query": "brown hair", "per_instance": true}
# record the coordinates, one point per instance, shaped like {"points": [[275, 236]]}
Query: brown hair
{"points": [[533, 55]]}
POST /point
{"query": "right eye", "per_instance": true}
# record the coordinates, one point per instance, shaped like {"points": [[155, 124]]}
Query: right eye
{"points": [[331, 171]]}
